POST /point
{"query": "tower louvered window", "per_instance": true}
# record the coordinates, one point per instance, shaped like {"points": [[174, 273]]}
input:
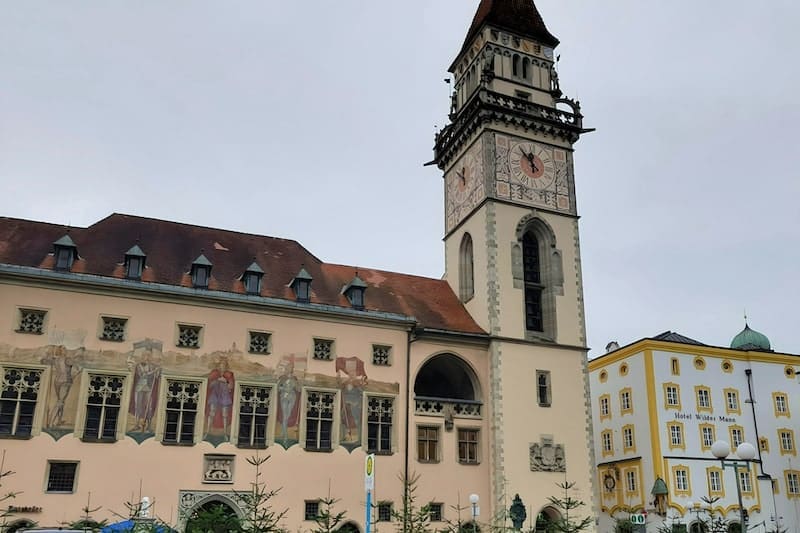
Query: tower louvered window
{"points": [[533, 282]]}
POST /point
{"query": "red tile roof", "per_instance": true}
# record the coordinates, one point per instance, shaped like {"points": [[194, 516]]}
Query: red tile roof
{"points": [[171, 247], [517, 16]]}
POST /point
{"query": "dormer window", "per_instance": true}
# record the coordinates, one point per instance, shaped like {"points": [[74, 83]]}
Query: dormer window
{"points": [[301, 284], [252, 279], [201, 272], [134, 263], [354, 291], [65, 253]]}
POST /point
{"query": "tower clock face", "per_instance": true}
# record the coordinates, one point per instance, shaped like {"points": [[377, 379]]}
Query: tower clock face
{"points": [[465, 185], [532, 165], [532, 173]]}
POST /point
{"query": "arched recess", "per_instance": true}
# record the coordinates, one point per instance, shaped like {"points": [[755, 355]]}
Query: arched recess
{"points": [[466, 272], [537, 269], [545, 519], [446, 385]]}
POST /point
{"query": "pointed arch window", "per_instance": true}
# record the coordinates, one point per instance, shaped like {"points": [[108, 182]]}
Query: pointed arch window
{"points": [[515, 65], [466, 272], [538, 272]]}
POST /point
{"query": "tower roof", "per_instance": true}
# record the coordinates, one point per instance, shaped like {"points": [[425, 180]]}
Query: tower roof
{"points": [[517, 16], [750, 339]]}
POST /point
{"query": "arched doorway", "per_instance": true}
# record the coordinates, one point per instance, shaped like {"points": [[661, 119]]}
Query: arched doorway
{"points": [[19, 525], [214, 516], [349, 527], [698, 527], [546, 518]]}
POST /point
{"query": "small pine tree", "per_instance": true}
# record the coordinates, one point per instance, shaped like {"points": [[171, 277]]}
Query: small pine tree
{"points": [[260, 517], [568, 506], [328, 520], [5, 514], [214, 519], [411, 518]]}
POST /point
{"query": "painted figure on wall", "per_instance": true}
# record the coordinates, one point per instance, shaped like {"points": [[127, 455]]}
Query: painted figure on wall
{"points": [[352, 379], [219, 399], [289, 389], [144, 400], [65, 369]]}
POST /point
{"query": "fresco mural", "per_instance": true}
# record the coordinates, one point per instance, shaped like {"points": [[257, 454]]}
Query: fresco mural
{"points": [[147, 363]]}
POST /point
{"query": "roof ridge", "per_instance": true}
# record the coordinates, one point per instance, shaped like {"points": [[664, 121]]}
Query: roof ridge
{"points": [[189, 224]]}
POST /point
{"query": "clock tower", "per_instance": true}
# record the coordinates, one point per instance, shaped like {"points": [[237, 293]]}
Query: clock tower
{"points": [[512, 248]]}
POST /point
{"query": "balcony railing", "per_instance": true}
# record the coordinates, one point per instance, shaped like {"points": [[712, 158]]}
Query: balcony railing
{"points": [[429, 406]]}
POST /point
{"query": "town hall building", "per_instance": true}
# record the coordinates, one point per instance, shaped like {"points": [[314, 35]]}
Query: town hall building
{"points": [[145, 358]]}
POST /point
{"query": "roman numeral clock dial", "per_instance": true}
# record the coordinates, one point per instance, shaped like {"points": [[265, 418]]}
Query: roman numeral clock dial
{"points": [[531, 173], [532, 166], [464, 183]]}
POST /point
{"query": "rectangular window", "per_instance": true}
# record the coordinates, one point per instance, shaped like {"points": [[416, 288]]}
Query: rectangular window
{"points": [[61, 476], [681, 480], [253, 416], [428, 444], [380, 412], [787, 441], [311, 511], [673, 398], [381, 355], [608, 443], [604, 406], [630, 481], [385, 512], [714, 481], [18, 396], [675, 436], [543, 388], [707, 433], [781, 404], [703, 399], [323, 349], [732, 401], [793, 483], [745, 482], [181, 411], [675, 366], [113, 329], [259, 342], [320, 407], [737, 436], [102, 407], [627, 437], [625, 401], [188, 336], [468, 446], [435, 512], [31, 321]]}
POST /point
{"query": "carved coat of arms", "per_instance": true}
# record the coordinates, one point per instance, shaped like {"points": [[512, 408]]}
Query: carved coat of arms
{"points": [[545, 456]]}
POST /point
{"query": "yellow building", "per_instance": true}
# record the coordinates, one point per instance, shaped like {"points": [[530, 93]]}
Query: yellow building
{"points": [[148, 358], [660, 404]]}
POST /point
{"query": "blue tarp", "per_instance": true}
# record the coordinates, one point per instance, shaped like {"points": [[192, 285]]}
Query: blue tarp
{"points": [[129, 525]]}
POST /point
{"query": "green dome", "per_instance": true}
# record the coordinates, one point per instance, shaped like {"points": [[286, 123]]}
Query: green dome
{"points": [[750, 339]]}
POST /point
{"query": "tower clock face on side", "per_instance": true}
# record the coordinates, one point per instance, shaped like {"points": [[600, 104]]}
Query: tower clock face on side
{"points": [[532, 173], [464, 183]]}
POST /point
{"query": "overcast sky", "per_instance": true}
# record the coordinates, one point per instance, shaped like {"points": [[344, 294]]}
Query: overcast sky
{"points": [[311, 121]]}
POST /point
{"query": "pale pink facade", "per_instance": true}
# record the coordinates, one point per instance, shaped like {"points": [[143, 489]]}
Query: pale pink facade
{"points": [[159, 371]]}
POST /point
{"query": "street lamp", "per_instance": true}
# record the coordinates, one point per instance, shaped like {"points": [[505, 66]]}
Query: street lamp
{"points": [[746, 452], [473, 500]]}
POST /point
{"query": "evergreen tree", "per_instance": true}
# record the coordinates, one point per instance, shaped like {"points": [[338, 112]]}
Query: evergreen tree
{"points": [[411, 518], [569, 521], [259, 515], [328, 520]]}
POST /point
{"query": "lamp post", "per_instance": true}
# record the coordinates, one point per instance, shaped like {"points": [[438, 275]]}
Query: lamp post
{"points": [[746, 452], [473, 500]]}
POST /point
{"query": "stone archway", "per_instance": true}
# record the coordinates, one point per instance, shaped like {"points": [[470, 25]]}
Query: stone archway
{"points": [[349, 527], [193, 502], [545, 519], [214, 516]]}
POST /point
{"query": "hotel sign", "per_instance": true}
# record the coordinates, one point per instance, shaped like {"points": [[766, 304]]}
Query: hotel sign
{"points": [[701, 417]]}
